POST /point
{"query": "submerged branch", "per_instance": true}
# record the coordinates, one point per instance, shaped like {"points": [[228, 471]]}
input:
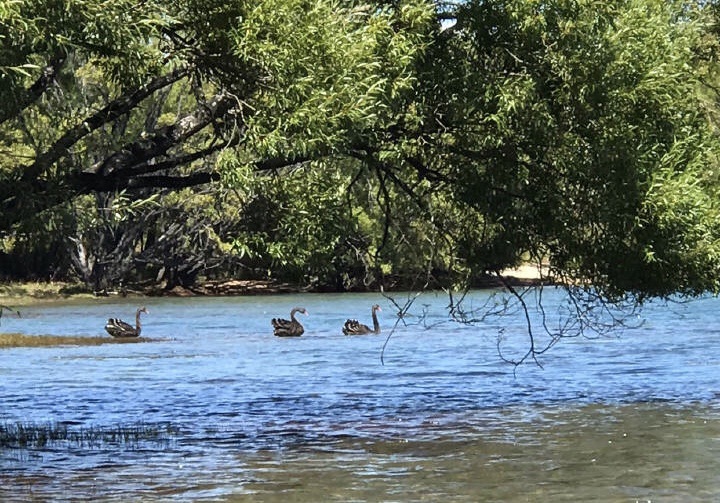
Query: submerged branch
{"points": [[7, 308]]}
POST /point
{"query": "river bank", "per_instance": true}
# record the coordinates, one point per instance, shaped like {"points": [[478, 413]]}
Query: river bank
{"points": [[14, 295]]}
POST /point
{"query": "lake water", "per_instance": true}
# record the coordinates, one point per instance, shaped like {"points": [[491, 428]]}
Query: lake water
{"points": [[227, 412]]}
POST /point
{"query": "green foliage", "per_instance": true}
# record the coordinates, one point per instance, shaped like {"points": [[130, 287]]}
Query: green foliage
{"points": [[361, 142], [565, 115], [294, 226], [114, 34], [330, 73]]}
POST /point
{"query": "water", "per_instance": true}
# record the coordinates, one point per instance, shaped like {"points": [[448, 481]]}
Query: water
{"points": [[235, 414]]}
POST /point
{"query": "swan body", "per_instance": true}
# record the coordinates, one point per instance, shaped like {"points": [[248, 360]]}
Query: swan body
{"points": [[291, 327], [353, 327], [118, 328]]}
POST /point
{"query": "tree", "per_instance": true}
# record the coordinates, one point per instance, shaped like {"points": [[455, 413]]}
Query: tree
{"points": [[577, 132], [308, 72], [583, 135]]}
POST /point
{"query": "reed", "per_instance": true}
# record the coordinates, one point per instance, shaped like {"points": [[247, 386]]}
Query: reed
{"points": [[19, 435], [23, 340]]}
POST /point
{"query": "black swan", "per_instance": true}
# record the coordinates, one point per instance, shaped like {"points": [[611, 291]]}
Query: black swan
{"points": [[119, 328], [289, 328], [353, 327]]}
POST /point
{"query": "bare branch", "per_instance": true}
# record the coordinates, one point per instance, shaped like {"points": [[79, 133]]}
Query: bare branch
{"points": [[7, 308], [583, 313], [401, 314]]}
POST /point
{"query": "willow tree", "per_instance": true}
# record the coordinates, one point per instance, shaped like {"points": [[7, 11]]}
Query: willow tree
{"points": [[269, 85], [582, 133], [573, 132]]}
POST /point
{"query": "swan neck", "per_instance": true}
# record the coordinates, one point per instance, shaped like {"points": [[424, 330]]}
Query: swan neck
{"points": [[376, 323]]}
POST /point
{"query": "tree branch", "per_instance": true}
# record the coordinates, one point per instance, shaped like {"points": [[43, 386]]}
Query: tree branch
{"points": [[169, 163], [89, 182], [166, 137], [172, 182], [28, 96], [276, 163], [119, 107]]}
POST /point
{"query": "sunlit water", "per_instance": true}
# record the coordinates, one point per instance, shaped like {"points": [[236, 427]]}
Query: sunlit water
{"points": [[246, 416]]}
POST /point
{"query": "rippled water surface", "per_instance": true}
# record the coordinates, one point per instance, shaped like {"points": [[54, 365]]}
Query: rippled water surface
{"points": [[213, 407]]}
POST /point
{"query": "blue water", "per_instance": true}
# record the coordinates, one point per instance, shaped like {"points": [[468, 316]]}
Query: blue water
{"points": [[233, 398]]}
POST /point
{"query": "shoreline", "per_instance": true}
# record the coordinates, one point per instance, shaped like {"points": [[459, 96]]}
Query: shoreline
{"points": [[18, 294]]}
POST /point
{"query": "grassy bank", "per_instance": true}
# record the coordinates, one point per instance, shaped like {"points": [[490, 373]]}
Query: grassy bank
{"points": [[33, 341], [14, 296], [18, 294]]}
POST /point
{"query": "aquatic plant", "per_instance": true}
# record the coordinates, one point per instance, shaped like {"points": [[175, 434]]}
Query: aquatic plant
{"points": [[21, 435]]}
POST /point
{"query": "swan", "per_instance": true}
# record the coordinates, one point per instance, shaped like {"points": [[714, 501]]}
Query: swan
{"points": [[353, 327], [118, 328], [291, 327]]}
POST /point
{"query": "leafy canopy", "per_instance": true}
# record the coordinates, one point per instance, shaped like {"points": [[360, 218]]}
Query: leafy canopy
{"points": [[575, 132]]}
